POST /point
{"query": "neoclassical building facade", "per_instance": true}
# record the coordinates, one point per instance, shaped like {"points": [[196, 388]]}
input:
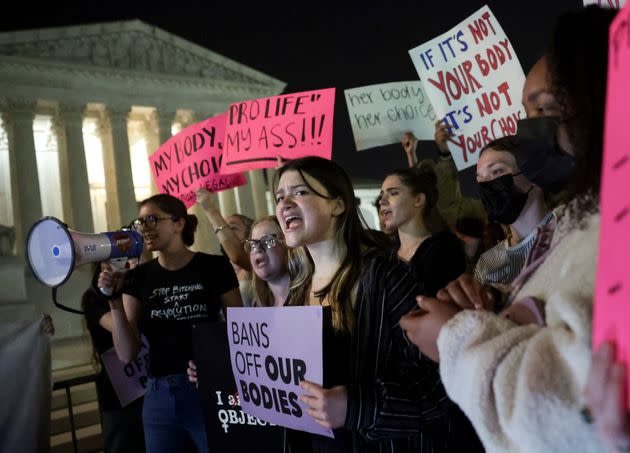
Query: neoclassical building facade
{"points": [[82, 108]]}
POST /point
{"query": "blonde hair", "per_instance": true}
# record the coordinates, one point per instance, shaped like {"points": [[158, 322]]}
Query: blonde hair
{"points": [[262, 293]]}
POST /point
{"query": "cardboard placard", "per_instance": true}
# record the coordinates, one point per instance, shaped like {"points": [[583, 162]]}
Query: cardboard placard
{"points": [[612, 292], [288, 126], [272, 350], [381, 114], [192, 159], [474, 80]]}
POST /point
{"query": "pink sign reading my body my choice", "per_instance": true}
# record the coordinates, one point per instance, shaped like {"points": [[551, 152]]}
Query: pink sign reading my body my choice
{"points": [[612, 293], [288, 126], [192, 159]]}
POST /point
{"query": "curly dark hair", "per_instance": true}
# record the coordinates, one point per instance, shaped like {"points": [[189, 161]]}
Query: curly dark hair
{"points": [[577, 60]]}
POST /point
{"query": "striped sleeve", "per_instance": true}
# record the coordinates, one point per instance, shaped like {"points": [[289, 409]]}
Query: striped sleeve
{"points": [[396, 390]]}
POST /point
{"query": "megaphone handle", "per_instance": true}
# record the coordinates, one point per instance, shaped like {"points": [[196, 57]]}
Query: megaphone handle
{"points": [[63, 307]]}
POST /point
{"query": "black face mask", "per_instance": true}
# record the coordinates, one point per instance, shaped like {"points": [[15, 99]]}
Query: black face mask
{"points": [[538, 155], [502, 200]]}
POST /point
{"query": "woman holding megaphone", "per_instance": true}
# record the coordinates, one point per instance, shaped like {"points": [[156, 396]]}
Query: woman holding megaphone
{"points": [[166, 296]]}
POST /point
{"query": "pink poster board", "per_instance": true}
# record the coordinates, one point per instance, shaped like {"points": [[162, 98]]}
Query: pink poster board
{"points": [[289, 126], [192, 159], [612, 293]]}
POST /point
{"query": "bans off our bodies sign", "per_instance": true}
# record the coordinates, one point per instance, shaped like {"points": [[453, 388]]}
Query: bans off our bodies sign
{"points": [[272, 350]]}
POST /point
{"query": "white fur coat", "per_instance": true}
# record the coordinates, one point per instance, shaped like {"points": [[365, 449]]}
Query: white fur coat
{"points": [[521, 386]]}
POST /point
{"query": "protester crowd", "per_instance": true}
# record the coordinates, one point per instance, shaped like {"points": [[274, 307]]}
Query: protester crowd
{"points": [[462, 325]]}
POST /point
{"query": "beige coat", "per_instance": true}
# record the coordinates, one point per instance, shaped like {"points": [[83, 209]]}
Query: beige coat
{"points": [[521, 386]]}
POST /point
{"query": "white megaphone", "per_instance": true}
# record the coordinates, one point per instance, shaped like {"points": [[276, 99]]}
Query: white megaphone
{"points": [[54, 251]]}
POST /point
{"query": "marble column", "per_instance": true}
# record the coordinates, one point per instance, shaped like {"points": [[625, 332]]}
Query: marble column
{"points": [[76, 182], [245, 199], [121, 176], [258, 191], [227, 202], [27, 204], [165, 123]]}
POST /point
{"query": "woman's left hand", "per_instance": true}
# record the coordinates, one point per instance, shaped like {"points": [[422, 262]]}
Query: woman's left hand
{"points": [[327, 406], [47, 324], [605, 395], [423, 326]]}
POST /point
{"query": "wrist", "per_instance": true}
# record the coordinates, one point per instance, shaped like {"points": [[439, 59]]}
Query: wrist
{"points": [[220, 228], [116, 303]]}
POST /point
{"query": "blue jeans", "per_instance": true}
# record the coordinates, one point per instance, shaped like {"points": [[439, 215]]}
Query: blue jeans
{"points": [[172, 415]]}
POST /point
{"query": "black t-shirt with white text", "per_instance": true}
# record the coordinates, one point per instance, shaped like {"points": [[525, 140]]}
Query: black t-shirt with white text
{"points": [[172, 301]]}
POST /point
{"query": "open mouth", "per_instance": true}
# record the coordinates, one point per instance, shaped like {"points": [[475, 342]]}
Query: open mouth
{"points": [[292, 221], [261, 261], [387, 213]]}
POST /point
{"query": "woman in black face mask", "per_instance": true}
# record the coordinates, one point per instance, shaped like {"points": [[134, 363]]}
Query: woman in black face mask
{"points": [[512, 200], [522, 385]]}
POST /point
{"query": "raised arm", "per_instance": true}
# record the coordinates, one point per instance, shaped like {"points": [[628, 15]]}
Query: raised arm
{"points": [[409, 144], [230, 243]]}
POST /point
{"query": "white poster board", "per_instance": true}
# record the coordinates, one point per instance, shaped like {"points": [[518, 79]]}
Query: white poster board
{"points": [[381, 114], [474, 81], [617, 4]]}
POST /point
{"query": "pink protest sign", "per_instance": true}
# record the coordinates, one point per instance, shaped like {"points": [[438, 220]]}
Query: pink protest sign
{"points": [[288, 126], [128, 379], [192, 159], [612, 293]]}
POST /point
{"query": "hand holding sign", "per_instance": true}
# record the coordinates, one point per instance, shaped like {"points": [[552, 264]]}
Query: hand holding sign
{"points": [[272, 351], [327, 406], [442, 134]]}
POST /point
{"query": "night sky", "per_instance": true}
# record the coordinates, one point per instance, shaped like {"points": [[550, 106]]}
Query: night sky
{"points": [[311, 45]]}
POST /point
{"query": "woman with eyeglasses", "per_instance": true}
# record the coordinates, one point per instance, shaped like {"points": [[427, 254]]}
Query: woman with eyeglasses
{"points": [[268, 256], [166, 296]]}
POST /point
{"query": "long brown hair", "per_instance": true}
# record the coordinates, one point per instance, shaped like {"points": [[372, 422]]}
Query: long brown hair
{"points": [[352, 237]]}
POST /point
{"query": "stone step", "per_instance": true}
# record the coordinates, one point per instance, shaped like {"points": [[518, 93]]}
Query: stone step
{"points": [[84, 406], [72, 372], [89, 439], [86, 414], [84, 393]]}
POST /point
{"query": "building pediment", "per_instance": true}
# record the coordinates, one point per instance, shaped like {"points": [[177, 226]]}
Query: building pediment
{"points": [[128, 45]]}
